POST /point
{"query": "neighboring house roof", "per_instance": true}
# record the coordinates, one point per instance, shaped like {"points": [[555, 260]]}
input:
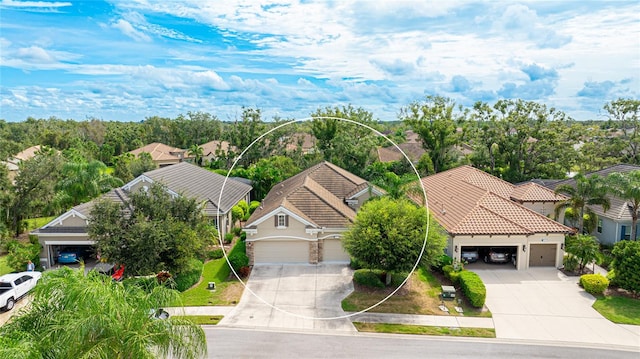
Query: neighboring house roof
{"points": [[533, 192], [160, 152], [468, 201], [211, 148], [308, 142], [10, 165], [413, 150], [195, 182], [317, 195], [619, 209], [26, 154]]}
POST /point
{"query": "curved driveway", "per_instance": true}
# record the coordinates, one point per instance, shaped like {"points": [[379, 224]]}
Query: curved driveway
{"points": [[544, 304]]}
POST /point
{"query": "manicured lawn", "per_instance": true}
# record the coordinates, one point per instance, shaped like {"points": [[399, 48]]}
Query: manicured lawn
{"points": [[621, 310], [424, 330], [4, 268], [227, 292], [420, 295], [202, 319]]}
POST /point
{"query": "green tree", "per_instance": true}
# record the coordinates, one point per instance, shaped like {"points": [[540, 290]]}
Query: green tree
{"points": [[196, 151], [151, 232], [19, 254], [269, 171], [587, 191], [626, 265], [627, 187], [434, 120], [129, 166], [625, 113], [389, 234], [73, 315], [34, 187], [83, 181], [583, 247]]}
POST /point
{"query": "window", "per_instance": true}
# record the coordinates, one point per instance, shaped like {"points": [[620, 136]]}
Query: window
{"points": [[599, 226], [625, 233], [282, 221]]}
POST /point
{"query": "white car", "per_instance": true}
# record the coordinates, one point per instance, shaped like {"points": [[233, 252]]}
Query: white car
{"points": [[14, 286]]}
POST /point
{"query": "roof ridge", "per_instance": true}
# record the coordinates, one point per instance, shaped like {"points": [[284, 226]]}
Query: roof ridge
{"points": [[323, 198]]}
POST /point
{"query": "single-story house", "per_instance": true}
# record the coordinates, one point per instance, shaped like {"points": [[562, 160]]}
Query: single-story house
{"points": [[615, 224], [13, 163], [301, 220], [479, 210], [70, 228], [212, 150], [161, 154]]}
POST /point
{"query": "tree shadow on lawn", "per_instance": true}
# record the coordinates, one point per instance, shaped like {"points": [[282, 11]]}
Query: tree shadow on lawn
{"points": [[419, 295]]}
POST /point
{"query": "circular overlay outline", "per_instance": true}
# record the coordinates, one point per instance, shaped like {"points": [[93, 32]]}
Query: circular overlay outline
{"points": [[424, 193]]}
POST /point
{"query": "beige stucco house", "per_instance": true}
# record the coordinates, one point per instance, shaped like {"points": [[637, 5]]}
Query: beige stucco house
{"points": [[480, 210], [70, 229], [301, 220], [161, 154]]}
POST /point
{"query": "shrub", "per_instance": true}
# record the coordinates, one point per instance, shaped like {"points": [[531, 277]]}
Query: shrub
{"points": [[594, 283], [238, 260], [355, 264], [626, 263], [444, 260], [604, 258], [237, 231], [215, 254], [243, 236], [570, 262], [228, 238], [452, 273], [253, 206], [237, 214], [186, 279], [473, 288], [368, 278]]}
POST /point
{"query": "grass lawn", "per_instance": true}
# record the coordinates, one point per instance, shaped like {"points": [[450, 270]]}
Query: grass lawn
{"points": [[420, 295], [618, 309], [201, 319], [33, 223], [4, 268], [228, 291], [424, 330]]}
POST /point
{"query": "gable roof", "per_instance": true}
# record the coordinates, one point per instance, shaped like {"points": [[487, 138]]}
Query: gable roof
{"points": [[413, 150], [466, 200], [195, 182], [620, 209], [317, 195], [159, 152], [26, 154], [210, 148], [533, 192]]}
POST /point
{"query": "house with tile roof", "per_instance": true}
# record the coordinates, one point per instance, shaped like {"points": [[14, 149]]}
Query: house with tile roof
{"points": [[161, 154], [479, 210], [213, 150], [215, 193], [614, 225], [13, 163], [301, 220]]}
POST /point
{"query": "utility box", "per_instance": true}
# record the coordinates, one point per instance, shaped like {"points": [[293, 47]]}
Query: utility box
{"points": [[448, 292]]}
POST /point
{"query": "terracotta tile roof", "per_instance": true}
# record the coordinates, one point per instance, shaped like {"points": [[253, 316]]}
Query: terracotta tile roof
{"points": [[533, 192], [160, 152], [317, 195], [210, 148], [27, 153], [413, 150], [466, 200]]}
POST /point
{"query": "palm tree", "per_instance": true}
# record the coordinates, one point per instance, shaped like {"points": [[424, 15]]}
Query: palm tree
{"points": [[627, 187], [73, 315], [587, 191], [197, 152], [83, 181]]}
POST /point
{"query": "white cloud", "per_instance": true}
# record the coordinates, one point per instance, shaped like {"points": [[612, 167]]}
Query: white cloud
{"points": [[33, 4], [126, 28]]}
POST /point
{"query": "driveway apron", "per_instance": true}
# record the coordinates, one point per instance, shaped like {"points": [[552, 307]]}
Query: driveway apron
{"points": [[287, 296], [544, 304]]}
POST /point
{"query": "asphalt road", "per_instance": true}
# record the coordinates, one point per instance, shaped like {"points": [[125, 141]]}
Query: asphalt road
{"points": [[238, 343]]}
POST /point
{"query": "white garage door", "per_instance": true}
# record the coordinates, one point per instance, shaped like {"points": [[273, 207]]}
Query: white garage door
{"points": [[281, 252], [333, 251]]}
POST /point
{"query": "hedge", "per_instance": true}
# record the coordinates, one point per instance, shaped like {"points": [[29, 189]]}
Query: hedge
{"points": [[594, 283], [452, 274], [473, 288], [189, 277], [368, 278]]}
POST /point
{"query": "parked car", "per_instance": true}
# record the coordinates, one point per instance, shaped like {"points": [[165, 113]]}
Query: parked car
{"points": [[14, 286], [158, 314], [497, 255], [70, 255], [469, 254]]}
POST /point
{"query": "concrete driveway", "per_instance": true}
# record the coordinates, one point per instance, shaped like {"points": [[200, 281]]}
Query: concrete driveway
{"points": [[544, 304], [288, 296]]}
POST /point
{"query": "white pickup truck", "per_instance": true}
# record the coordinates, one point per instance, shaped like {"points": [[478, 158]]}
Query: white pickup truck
{"points": [[14, 286]]}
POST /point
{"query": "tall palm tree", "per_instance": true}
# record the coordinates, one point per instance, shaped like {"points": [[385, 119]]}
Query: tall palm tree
{"points": [[627, 187], [73, 315], [197, 152], [587, 191], [83, 181]]}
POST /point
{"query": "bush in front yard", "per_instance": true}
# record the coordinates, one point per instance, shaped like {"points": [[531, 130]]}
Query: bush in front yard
{"points": [[473, 288], [228, 238], [238, 260], [189, 277], [594, 284], [452, 273], [215, 254], [368, 278]]}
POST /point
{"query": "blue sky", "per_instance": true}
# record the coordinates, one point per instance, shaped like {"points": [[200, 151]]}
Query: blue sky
{"points": [[127, 60]]}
